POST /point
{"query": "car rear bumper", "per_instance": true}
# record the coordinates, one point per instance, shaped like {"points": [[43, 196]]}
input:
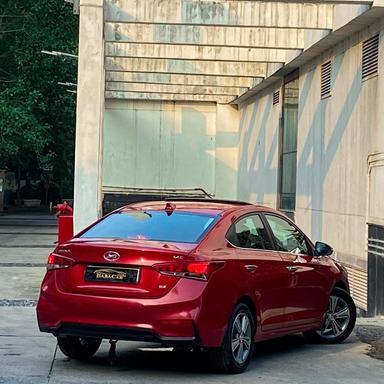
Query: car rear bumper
{"points": [[170, 319], [116, 333]]}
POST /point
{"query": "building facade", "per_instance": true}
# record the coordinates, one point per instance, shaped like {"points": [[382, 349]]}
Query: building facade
{"points": [[318, 151], [274, 103]]}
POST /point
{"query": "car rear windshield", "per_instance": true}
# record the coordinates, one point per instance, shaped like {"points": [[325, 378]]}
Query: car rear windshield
{"points": [[183, 227]]}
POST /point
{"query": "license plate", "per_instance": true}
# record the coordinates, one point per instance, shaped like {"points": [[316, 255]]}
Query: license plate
{"points": [[111, 274]]}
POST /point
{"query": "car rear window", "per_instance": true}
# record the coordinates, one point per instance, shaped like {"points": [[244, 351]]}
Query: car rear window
{"points": [[183, 227]]}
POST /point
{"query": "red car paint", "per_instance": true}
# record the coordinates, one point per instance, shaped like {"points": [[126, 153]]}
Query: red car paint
{"points": [[175, 309]]}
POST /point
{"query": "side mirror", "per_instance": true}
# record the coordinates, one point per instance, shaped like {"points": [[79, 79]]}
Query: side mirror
{"points": [[322, 249]]}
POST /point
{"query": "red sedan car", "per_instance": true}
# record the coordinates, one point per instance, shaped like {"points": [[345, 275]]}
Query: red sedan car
{"points": [[217, 275]]}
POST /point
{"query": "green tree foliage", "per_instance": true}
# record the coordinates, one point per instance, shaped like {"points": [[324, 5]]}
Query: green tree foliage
{"points": [[37, 116]]}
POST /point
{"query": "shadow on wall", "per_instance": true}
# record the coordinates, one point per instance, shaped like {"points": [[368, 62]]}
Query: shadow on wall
{"points": [[193, 159], [323, 153], [257, 176], [200, 145], [170, 147]]}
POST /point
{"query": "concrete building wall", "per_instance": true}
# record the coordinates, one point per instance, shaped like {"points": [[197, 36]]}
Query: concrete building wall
{"points": [[258, 149], [336, 138], [151, 144]]}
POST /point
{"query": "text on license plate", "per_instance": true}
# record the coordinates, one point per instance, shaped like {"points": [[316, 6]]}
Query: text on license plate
{"points": [[111, 274]]}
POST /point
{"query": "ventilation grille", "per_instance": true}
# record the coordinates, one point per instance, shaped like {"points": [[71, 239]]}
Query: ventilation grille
{"points": [[276, 97], [326, 70], [375, 270], [370, 57], [358, 284]]}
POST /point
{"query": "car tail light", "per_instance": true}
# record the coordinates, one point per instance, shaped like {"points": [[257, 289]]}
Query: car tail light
{"points": [[58, 262], [200, 270]]}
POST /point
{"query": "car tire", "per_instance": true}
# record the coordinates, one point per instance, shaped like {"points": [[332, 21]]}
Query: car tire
{"points": [[78, 348], [339, 321], [231, 358]]}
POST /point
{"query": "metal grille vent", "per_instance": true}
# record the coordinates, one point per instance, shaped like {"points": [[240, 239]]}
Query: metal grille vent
{"points": [[276, 97], [326, 70], [370, 57], [375, 270], [358, 284]]}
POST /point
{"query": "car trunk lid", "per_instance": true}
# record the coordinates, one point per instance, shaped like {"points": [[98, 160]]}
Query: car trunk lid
{"points": [[128, 273]]}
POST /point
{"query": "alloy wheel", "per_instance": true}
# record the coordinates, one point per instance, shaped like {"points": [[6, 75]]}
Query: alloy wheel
{"points": [[241, 338], [337, 318]]}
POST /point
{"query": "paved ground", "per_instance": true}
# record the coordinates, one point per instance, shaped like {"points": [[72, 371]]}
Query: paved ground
{"points": [[25, 242], [371, 331], [27, 356]]}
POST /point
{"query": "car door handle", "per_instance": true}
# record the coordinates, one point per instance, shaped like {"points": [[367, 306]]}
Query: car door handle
{"points": [[250, 267], [292, 268]]}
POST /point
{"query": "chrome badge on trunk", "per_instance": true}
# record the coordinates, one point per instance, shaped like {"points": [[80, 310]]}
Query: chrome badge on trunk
{"points": [[111, 256]]}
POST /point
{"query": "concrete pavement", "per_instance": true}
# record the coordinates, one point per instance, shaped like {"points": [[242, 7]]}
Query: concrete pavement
{"points": [[30, 357], [26, 239]]}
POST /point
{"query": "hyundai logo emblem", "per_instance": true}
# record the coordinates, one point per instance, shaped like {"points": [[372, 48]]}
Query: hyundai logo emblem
{"points": [[111, 256]]}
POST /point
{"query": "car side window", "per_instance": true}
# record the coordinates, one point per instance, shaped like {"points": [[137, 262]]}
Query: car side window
{"points": [[288, 238], [249, 232]]}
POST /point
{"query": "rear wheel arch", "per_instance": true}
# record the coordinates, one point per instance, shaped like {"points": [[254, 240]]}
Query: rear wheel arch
{"points": [[252, 307]]}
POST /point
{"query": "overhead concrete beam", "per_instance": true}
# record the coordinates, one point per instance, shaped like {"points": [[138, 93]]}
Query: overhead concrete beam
{"points": [[365, 20], [172, 89], [168, 97], [167, 78], [288, 38], [282, 14], [187, 67], [191, 52]]}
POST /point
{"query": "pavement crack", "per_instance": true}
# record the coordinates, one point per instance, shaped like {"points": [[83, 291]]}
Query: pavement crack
{"points": [[6, 265], [51, 367], [28, 245], [29, 233], [17, 303]]}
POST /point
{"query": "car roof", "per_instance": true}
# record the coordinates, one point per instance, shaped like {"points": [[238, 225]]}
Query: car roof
{"points": [[201, 205]]}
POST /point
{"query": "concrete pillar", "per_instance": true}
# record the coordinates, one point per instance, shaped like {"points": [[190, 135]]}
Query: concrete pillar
{"points": [[90, 110], [227, 151]]}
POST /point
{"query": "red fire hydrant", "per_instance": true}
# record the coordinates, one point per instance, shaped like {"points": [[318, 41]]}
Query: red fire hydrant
{"points": [[64, 222]]}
